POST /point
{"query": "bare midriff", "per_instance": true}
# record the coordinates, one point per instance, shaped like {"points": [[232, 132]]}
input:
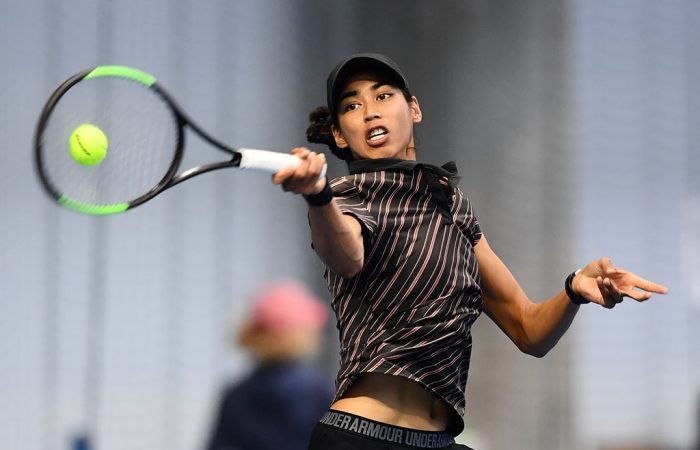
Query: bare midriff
{"points": [[395, 401]]}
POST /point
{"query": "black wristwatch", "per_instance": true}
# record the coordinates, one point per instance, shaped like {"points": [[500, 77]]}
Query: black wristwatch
{"points": [[573, 296]]}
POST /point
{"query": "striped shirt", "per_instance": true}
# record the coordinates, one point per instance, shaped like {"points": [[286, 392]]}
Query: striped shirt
{"points": [[409, 311]]}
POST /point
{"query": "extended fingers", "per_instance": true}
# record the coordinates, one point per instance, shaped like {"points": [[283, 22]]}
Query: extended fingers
{"points": [[614, 284], [648, 286], [640, 296], [636, 281]]}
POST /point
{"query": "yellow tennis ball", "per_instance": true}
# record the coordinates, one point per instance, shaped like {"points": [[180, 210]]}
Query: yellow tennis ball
{"points": [[88, 145]]}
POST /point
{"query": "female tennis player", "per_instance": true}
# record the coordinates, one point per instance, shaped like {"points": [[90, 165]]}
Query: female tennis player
{"points": [[410, 270]]}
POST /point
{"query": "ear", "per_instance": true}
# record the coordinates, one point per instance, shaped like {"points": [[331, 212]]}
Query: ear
{"points": [[339, 139], [416, 113]]}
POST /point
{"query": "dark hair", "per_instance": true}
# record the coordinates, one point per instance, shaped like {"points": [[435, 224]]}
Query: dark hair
{"points": [[319, 129], [319, 132]]}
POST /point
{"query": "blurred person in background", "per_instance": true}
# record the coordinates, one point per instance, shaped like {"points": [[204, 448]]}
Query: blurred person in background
{"points": [[277, 405]]}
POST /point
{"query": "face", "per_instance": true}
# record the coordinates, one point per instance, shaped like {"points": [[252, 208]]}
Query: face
{"points": [[375, 120]]}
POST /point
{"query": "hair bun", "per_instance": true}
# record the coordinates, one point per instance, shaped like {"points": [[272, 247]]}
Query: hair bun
{"points": [[320, 115], [319, 131]]}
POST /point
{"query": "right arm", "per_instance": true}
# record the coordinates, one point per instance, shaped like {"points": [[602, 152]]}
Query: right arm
{"points": [[337, 237]]}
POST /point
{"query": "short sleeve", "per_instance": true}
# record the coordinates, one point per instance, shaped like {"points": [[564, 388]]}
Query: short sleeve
{"points": [[351, 201], [466, 219]]}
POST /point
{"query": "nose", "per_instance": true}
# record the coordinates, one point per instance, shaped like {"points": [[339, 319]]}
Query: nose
{"points": [[371, 113]]}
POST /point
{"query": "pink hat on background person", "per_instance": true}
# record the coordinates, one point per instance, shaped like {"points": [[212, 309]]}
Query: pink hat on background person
{"points": [[287, 306]]}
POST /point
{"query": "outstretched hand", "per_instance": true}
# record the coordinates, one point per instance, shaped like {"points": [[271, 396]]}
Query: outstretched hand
{"points": [[602, 283]]}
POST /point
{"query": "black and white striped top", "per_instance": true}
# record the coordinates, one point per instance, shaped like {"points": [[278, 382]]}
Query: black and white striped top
{"points": [[409, 311]]}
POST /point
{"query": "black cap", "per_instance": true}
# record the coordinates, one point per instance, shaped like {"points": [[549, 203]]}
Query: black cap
{"points": [[373, 62]]}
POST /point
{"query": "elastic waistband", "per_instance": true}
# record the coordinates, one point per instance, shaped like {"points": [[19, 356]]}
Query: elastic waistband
{"points": [[385, 432]]}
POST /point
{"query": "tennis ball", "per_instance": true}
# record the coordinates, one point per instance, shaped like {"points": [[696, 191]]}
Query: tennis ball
{"points": [[88, 145]]}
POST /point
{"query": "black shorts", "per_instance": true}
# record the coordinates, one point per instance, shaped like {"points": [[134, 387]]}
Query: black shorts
{"points": [[342, 431]]}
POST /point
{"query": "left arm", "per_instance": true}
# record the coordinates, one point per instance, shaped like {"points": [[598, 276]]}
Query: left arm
{"points": [[536, 327]]}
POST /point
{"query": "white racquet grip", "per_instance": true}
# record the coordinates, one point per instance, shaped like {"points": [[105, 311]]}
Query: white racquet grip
{"points": [[268, 161]]}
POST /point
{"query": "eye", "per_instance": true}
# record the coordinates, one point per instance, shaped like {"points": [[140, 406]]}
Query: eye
{"points": [[384, 96], [351, 107]]}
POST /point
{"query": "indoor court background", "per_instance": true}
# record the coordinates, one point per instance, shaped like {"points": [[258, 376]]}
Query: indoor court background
{"points": [[575, 125]]}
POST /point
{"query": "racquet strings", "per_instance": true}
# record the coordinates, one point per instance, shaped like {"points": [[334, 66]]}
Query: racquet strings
{"points": [[142, 131]]}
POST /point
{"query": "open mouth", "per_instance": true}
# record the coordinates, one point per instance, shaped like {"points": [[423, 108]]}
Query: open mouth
{"points": [[377, 134]]}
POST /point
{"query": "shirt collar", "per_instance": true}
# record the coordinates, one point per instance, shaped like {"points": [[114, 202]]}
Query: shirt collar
{"points": [[380, 164], [448, 169]]}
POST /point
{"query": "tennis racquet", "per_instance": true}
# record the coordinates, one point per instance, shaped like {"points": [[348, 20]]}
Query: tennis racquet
{"points": [[146, 135]]}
